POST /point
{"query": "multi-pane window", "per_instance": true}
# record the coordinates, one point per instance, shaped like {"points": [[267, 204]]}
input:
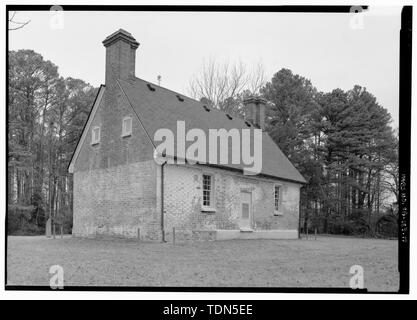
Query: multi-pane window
{"points": [[207, 190], [276, 198], [95, 135], [127, 126]]}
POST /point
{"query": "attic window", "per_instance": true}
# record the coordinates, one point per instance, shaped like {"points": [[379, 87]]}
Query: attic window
{"points": [[150, 87], [206, 108], [180, 98], [248, 123], [229, 116], [95, 135], [127, 126]]}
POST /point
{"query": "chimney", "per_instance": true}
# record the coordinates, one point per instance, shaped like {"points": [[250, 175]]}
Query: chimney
{"points": [[120, 56], [255, 111]]}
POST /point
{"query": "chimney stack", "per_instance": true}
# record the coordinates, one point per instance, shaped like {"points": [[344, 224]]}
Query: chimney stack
{"points": [[255, 111], [120, 56]]}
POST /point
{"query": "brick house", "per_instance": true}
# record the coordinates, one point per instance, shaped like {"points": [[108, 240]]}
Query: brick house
{"points": [[120, 190]]}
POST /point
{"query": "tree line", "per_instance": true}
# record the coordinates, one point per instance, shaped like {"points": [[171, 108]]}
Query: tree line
{"points": [[341, 141], [46, 115]]}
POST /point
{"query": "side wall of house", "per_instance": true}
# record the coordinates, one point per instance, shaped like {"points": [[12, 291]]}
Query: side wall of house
{"points": [[115, 188], [183, 200]]}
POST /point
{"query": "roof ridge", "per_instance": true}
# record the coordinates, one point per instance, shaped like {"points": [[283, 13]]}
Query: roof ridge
{"points": [[192, 99], [154, 84], [153, 103], [236, 118], [242, 120]]}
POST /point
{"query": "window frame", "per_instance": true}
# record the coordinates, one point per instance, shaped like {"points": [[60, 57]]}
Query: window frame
{"points": [[277, 212], [211, 206], [124, 132], [93, 140]]}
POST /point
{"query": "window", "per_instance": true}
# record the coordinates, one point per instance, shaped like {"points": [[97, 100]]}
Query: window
{"points": [[207, 190], [95, 135], [277, 200], [126, 126]]}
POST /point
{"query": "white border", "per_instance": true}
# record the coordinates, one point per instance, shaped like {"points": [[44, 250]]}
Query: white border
{"points": [[200, 295]]}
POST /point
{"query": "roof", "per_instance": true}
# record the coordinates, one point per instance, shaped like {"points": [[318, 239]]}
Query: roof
{"points": [[158, 108]]}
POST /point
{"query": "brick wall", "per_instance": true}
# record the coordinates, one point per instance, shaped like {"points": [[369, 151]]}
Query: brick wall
{"points": [[113, 149], [115, 182], [117, 201], [117, 185], [183, 197]]}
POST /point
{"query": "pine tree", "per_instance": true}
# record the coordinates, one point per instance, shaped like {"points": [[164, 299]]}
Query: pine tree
{"points": [[46, 114]]}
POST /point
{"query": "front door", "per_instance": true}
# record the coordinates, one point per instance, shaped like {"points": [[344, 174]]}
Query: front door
{"points": [[245, 209]]}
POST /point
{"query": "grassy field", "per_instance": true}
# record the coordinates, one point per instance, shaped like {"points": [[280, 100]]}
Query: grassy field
{"points": [[324, 262]]}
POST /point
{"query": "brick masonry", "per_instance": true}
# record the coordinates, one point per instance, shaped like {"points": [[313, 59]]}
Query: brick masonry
{"points": [[117, 201], [117, 184], [115, 181], [117, 188], [183, 201]]}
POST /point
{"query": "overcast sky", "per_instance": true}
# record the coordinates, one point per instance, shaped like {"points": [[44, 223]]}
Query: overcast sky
{"points": [[321, 47]]}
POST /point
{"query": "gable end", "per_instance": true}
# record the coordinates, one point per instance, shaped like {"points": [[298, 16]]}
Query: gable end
{"points": [[87, 125]]}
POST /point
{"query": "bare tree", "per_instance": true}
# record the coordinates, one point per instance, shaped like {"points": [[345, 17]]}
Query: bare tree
{"points": [[13, 24], [224, 85]]}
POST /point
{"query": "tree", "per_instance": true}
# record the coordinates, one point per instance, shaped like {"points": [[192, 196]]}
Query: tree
{"points": [[46, 116], [13, 24], [392, 181], [224, 85], [357, 142], [290, 122], [342, 143], [289, 117]]}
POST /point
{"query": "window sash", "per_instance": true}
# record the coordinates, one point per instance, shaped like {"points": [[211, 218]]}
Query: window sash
{"points": [[95, 135], [207, 190], [277, 197], [127, 126]]}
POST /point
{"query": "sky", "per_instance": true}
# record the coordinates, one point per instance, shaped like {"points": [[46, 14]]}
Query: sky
{"points": [[332, 50]]}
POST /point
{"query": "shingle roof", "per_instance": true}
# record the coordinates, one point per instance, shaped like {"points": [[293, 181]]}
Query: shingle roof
{"points": [[158, 108]]}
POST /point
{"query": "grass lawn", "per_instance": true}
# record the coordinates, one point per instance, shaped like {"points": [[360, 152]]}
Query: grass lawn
{"points": [[324, 262]]}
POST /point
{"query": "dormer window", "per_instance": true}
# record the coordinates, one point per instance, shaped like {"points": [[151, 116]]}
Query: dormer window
{"points": [[95, 135], [127, 126]]}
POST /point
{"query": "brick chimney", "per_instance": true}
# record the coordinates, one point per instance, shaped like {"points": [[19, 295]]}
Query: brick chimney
{"points": [[255, 111], [120, 56]]}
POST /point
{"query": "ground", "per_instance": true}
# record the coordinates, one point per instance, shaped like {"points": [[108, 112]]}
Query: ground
{"points": [[324, 262]]}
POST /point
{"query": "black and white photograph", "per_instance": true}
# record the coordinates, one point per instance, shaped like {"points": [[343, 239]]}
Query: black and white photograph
{"points": [[226, 149]]}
